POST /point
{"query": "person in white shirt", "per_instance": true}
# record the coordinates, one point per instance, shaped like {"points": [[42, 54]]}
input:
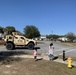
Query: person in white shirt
{"points": [[51, 52]]}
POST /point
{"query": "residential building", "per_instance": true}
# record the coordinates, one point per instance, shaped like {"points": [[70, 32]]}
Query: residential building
{"points": [[63, 39]]}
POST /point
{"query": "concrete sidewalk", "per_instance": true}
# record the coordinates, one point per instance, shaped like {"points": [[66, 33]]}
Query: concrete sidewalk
{"points": [[45, 58]]}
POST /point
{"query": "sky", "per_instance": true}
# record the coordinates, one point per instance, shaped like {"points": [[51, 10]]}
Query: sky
{"points": [[49, 16]]}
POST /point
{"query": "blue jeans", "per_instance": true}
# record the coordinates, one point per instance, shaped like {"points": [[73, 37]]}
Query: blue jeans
{"points": [[51, 56]]}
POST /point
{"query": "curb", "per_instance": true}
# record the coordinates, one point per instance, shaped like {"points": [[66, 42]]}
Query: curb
{"points": [[44, 58]]}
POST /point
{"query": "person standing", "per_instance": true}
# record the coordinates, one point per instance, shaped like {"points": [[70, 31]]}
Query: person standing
{"points": [[51, 52]]}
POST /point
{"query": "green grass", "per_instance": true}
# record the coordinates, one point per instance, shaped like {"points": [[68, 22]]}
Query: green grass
{"points": [[31, 67]]}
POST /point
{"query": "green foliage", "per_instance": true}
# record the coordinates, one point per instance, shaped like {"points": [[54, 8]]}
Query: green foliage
{"points": [[31, 31], [1, 30], [71, 36], [9, 29], [54, 37]]}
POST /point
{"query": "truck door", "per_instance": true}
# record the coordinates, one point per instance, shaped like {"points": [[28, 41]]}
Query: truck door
{"points": [[21, 40], [16, 39]]}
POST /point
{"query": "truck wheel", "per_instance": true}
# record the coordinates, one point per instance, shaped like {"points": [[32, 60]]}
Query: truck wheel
{"points": [[30, 46], [9, 46]]}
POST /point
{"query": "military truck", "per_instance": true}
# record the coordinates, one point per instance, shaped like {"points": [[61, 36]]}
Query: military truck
{"points": [[18, 40]]}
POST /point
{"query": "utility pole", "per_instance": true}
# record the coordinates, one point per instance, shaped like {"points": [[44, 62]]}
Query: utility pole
{"points": [[52, 36]]}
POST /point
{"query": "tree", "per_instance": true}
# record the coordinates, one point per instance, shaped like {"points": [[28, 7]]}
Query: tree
{"points": [[52, 37], [9, 29], [48, 37], [71, 36], [30, 31], [19, 33], [55, 36], [1, 30]]}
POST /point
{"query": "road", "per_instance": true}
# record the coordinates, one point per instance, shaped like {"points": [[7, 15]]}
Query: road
{"points": [[58, 49]]}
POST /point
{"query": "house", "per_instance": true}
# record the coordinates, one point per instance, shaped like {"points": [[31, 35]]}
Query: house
{"points": [[43, 37], [1, 36], [63, 39]]}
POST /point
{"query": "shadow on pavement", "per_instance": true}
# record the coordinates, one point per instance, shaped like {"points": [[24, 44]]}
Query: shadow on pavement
{"points": [[6, 59], [11, 53], [21, 48], [5, 56], [25, 48], [37, 47], [56, 57], [39, 59], [16, 52]]}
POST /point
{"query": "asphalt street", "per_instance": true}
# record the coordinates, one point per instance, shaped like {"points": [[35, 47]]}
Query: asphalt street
{"points": [[58, 49]]}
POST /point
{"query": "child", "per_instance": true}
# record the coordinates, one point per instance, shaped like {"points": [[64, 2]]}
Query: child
{"points": [[51, 52], [35, 54], [63, 55]]}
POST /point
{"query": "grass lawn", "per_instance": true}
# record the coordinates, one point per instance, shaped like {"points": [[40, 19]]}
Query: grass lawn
{"points": [[17, 66]]}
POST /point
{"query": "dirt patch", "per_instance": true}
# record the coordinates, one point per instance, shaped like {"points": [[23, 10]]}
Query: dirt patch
{"points": [[17, 66]]}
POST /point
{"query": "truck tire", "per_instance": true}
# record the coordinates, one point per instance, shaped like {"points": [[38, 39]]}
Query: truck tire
{"points": [[9, 46], [30, 46]]}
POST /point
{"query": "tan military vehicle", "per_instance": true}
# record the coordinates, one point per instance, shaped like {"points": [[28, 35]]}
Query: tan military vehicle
{"points": [[18, 40]]}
